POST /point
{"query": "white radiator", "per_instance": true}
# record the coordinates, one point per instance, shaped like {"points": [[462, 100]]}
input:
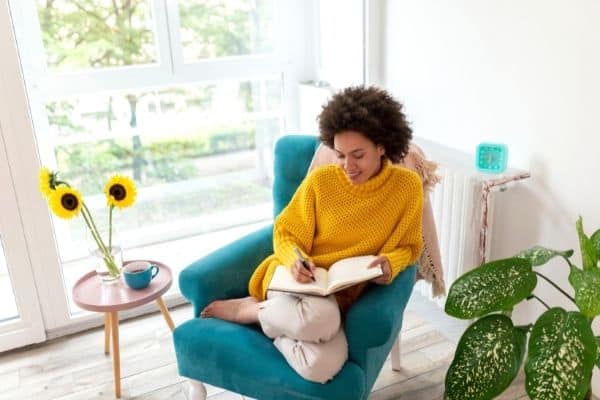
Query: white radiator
{"points": [[463, 210]]}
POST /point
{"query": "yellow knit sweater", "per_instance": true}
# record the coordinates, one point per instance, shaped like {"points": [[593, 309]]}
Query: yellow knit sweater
{"points": [[329, 218]]}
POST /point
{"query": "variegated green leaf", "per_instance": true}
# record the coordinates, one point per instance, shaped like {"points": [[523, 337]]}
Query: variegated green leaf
{"points": [[587, 290], [561, 356], [487, 359], [539, 255], [495, 286], [595, 238], [588, 251]]}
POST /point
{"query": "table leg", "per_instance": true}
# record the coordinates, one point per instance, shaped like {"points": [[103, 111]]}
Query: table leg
{"points": [[107, 333], [114, 326], [165, 312]]}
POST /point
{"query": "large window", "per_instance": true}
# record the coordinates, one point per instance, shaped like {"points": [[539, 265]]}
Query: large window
{"points": [[184, 96], [192, 149]]}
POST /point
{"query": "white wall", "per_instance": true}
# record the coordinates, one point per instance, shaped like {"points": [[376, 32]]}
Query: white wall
{"points": [[340, 42], [526, 73]]}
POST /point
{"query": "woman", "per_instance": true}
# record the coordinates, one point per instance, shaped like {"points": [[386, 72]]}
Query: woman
{"points": [[363, 205]]}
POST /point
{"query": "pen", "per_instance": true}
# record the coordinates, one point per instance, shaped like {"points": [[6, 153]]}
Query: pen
{"points": [[303, 261]]}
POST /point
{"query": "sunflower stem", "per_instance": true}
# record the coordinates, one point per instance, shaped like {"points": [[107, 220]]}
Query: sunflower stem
{"points": [[86, 218], [106, 255], [56, 183], [110, 212], [113, 270], [94, 229], [109, 261]]}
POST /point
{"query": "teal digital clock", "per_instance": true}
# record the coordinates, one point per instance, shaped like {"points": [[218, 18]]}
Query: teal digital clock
{"points": [[491, 157]]}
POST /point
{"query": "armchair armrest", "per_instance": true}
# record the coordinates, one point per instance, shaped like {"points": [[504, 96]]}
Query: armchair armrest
{"points": [[376, 317], [225, 272]]}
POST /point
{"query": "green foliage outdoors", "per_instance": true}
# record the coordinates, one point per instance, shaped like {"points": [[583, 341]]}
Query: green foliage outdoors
{"points": [[91, 34], [177, 206], [562, 349], [211, 28], [165, 160]]}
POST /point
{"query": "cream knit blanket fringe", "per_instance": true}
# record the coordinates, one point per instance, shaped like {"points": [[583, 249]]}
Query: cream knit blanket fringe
{"points": [[430, 263]]}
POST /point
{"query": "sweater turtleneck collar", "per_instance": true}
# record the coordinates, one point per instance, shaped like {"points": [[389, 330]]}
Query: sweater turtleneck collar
{"points": [[371, 185]]}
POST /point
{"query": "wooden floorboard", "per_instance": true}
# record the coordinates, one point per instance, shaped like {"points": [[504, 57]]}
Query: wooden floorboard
{"points": [[76, 368]]}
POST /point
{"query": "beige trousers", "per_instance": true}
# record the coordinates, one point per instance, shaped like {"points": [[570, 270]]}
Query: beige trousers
{"points": [[307, 330]]}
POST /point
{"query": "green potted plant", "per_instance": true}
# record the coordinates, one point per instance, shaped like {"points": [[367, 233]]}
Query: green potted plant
{"points": [[561, 351]]}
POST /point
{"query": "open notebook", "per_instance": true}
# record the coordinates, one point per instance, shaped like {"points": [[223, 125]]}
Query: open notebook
{"points": [[341, 274]]}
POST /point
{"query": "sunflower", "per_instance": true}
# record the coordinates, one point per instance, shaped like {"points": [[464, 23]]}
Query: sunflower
{"points": [[65, 202], [46, 181], [120, 191]]}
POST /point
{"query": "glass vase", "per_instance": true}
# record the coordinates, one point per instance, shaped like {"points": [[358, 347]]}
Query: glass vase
{"points": [[107, 268]]}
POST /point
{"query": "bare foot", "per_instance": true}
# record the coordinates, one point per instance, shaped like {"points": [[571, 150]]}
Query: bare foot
{"points": [[242, 311]]}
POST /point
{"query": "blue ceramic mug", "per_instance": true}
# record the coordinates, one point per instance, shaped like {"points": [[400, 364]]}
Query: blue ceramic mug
{"points": [[138, 274]]}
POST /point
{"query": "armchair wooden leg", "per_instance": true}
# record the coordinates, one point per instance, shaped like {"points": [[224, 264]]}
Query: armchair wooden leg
{"points": [[395, 354], [197, 390]]}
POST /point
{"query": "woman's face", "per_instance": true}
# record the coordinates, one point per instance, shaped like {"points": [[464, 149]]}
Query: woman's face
{"points": [[358, 156]]}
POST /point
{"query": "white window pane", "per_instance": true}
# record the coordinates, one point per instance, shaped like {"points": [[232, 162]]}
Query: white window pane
{"points": [[222, 28], [86, 34], [200, 155], [8, 305]]}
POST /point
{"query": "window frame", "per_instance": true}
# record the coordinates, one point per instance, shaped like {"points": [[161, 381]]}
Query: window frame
{"points": [[41, 84]]}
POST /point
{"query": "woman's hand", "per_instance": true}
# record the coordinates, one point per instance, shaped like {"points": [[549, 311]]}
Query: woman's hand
{"points": [[385, 267], [302, 274]]}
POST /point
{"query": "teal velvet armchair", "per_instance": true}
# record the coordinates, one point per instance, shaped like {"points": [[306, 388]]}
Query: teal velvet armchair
{"points": [[241, 358]]}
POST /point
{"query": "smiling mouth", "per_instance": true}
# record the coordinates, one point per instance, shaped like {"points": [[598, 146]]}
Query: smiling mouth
{"points": [[353, 175]]}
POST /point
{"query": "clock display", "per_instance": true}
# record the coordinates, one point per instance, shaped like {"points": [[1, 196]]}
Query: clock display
{"points": [[491, 157]]}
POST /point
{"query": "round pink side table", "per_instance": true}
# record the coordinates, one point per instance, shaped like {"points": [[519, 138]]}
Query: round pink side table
{"points": [[89, 293]]}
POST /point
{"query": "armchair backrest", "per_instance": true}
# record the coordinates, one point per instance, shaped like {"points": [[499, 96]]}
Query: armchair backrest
{"points": [[287, 175]]}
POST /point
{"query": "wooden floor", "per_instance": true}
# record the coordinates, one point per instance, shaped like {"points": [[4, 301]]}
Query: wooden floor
{"points": [[75, 367]]}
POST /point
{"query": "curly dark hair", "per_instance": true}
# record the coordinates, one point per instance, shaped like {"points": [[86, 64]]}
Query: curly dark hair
{"points": [[370, 111]]}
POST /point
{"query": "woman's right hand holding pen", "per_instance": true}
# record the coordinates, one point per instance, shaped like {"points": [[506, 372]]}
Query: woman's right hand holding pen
{"points": [[303, 274], [303, 270]]}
